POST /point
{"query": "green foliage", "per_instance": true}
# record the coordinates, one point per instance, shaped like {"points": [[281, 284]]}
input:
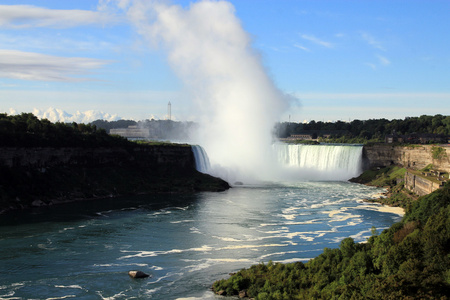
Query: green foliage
{"points": [[427, 168], [26, 130], [387, 176], [366, 131], [410, 260]]}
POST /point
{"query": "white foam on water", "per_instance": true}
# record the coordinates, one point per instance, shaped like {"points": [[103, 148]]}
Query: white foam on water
{"points": [[181, 221], [361, 236], [294, 260], [206, 296], [195, 230], [62, 297], [74, 286], [384, 208], [204, 248], [263, 257]]}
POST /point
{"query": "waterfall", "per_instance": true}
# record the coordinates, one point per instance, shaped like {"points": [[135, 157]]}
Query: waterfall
{"points": [[327, 162], [201, 159], [298, 162]]}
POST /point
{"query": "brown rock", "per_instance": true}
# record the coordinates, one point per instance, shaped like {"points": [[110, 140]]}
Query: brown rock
{"points": [[243, 294]]}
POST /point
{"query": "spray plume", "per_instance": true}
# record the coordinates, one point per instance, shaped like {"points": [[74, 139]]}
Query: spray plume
{"points": [[236, 102]]}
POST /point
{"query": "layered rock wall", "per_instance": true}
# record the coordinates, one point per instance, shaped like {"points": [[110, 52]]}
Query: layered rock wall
{"points": [[419, 185], [151, 156], [32, 177], [415, 156]]}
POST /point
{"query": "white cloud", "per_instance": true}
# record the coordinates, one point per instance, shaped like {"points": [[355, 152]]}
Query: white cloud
{"points": [[56, 114], [26, 16], [383, 60], [317, 41], [372, 41], [104, 5], [302, 47], [373, 66], [35, 66]]}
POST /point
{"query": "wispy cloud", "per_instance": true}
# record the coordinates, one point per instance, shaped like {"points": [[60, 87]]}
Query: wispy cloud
{"points": [[383, 60], [372, 41], [373, 66], [374, 96], [35, 66], [316, 40], [302, 47], [27, 16]]}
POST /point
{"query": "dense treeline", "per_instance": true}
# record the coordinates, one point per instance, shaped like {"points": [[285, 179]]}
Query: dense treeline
{"points": [[374, 129], [26, 130], [409, 260]]}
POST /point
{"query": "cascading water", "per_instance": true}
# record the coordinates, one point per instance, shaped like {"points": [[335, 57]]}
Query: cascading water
{"points": [[202, 163], [321, 162], [300, 162]]}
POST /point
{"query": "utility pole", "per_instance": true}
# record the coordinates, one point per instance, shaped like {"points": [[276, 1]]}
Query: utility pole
{"points": [[169, 111]]}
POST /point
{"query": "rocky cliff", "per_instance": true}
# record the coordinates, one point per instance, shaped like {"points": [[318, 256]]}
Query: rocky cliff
{"points": [[179, 156], [45, 176], [414, 156], [420, 185]]}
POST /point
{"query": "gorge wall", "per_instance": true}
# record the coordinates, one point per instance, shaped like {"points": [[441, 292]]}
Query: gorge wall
{"points": [[421, 185], [179, 156], [36, 176], [414, 156]]}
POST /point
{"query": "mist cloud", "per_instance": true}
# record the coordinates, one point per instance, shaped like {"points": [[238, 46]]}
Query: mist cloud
{"points": [[236, 101]]}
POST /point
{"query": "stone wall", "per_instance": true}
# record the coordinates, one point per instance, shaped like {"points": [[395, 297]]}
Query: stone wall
{"points": [[415, 157], [420, 185]]}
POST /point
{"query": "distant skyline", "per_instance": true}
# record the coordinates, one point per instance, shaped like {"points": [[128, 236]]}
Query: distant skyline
{"points": [[341, 60]]}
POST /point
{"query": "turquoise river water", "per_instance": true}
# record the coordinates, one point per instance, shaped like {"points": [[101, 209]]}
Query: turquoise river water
{"points": [[186, 242]]}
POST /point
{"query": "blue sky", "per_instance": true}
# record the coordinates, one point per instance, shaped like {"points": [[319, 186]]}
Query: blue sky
{"points": [[341, 60]]}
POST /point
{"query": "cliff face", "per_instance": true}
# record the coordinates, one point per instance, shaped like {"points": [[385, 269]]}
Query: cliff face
{"points": [[156, 156], [420, 185], [44, 176], [415, 157]]}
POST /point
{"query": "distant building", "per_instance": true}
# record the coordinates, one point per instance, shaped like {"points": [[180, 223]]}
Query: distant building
{"points": [[301, 137], [132, 132], [416, 138]]}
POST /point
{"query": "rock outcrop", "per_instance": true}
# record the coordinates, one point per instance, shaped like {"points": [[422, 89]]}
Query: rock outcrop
{"points": [[138, 274], [413, 156], [35, 177], [421, 185]]}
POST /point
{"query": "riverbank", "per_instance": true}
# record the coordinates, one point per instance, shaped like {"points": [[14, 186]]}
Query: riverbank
{"points": [[392, 179]]}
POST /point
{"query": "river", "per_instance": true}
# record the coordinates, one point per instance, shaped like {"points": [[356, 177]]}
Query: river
{"points": [[185, 242]]}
